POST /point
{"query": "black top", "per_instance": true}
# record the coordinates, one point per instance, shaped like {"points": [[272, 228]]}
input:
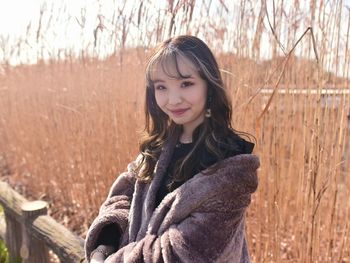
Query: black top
{"points": [[239, 146], [235, 145]]}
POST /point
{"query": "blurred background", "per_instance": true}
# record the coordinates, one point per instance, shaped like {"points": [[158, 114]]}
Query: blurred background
{"points": [[72, 97]]}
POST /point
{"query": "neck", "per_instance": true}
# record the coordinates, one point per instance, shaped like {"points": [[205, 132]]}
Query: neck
{"points": [[187, 133], [185, 138]]}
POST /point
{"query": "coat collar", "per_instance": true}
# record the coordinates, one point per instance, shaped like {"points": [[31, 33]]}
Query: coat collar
{"points": [[236, 177], [233, 172]]}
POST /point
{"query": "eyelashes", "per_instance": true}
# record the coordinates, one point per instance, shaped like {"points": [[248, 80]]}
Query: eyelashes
{"points": [[184, 84], [159, 87]]}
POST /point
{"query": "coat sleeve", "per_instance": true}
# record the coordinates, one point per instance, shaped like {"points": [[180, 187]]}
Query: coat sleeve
{"points": [[112, 219], [213, 229]]}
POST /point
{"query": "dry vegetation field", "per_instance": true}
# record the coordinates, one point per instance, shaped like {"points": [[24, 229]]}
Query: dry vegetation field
{"points": [[69, 126]]}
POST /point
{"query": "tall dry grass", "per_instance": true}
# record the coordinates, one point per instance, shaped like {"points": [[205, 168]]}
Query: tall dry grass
{"points": [[69, 127]]}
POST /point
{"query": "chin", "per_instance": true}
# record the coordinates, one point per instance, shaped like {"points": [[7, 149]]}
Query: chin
{"points": [[178, 122]]}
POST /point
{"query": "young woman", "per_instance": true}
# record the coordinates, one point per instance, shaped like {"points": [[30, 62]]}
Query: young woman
{"points": [[184, 198]]}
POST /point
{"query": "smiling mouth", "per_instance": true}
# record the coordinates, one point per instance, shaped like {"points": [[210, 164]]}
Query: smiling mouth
{"points": [[178, 112]]}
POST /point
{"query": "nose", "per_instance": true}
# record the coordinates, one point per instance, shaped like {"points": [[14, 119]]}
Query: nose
{"points": [[174, 98]]}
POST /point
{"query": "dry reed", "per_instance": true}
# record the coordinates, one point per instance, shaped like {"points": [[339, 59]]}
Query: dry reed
{"points": [[67, 128]]}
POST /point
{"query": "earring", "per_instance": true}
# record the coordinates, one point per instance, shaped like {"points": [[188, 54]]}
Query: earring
{"points": [[208, 113], [208, 110]]}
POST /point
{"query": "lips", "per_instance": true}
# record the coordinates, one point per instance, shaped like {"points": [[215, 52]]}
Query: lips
{"points": [[178, 112]]}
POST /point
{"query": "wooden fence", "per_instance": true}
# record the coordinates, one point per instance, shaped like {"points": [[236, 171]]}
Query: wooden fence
{"points": [[29, 232]]}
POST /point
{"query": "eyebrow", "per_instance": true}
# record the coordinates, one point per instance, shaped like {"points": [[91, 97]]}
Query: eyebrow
{"points": [[186, 77]]}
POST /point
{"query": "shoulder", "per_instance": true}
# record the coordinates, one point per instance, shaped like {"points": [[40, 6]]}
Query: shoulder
{"points": [[233, 144], [240, 171], [130, 175], [235, 175], [235, 179]]}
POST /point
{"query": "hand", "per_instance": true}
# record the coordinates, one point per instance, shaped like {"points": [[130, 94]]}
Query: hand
{"points": [[97, 257], [101, 253]]}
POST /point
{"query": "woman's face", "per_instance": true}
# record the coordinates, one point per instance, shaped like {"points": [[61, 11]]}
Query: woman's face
{"points": [[182, 99]]}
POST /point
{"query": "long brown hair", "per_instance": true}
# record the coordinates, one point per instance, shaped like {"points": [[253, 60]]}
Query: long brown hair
{"points": [[159, 128]]}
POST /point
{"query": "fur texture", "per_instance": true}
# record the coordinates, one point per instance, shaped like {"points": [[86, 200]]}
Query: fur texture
{"points": [[201, 221]]}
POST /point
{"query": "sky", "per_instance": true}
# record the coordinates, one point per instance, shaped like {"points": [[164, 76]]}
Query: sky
{"points": [[16, 15]]}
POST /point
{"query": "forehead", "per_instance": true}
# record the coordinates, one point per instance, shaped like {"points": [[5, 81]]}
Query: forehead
{"points": [[173, 67]]}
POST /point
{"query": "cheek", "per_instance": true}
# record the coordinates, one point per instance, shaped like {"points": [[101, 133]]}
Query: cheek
{"points": [[199, 98], [202, 102], [160, 99]]}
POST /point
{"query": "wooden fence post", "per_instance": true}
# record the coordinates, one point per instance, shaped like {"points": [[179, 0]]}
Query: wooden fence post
{"points": [[13, 237], [347, 147], [33, 249], [29, 232]]}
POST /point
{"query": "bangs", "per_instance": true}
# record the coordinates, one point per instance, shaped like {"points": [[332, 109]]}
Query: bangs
{"points": [[168, 62]]}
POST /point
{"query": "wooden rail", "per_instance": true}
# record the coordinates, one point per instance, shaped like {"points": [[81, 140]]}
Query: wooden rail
{"points": [[312, 91], [29, 232]]}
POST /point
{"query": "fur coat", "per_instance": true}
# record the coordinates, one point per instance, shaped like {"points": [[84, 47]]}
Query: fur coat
{"points": [[200, 221]]}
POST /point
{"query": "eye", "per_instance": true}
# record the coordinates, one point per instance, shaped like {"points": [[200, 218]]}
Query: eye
{"points": [[186, 84], [160, 87]]}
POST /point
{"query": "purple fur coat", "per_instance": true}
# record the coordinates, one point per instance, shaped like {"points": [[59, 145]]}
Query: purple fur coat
{"points": [[201, 221]]}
